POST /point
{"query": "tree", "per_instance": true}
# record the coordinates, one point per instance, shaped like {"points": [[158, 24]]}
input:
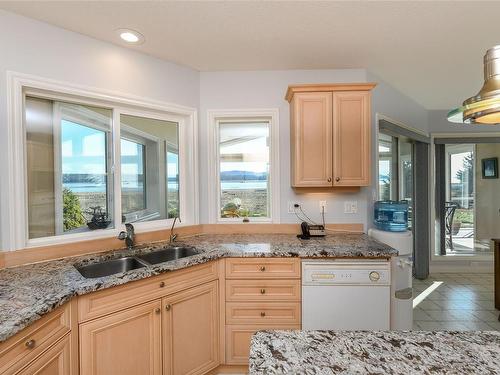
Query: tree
{"points": [[72, 211]]}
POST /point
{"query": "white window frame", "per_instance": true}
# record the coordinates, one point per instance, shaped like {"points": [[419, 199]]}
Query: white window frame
{"points": [[15, 236], [215, 117], [68, 112]]}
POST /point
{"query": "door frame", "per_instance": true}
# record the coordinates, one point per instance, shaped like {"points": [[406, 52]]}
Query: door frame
{"points": [[447, 258]]}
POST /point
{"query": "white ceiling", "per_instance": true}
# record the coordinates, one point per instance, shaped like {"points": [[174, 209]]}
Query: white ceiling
{"points": [[430, 50]]}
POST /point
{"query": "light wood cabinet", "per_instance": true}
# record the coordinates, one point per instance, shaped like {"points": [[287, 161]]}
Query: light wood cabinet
{"points": [[191, 330], [56, 360], [107, 301], [176, 333], [263, 290], [127, 342], [48, 346], [351, 134], [330, 135], [262, 268], [311, 138], [260, 294], [239, 337]]}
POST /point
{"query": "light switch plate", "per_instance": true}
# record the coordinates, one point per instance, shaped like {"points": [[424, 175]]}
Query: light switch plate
{"points": [[350, 207]]}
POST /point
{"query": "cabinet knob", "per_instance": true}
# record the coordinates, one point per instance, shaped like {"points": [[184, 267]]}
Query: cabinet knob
{"points": [[263, 268], [162, 284], [263, 314], [329, 179], [337, 179], [262, 291], [157, 310], [30, 344], [168, 307]]}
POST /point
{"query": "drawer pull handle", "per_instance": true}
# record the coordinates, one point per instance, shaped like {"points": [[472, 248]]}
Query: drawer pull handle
{"points": [[337, 179], [168, 307], [263, 314], [30, 344], [157, 310], [162, 284], [263, 268], [329, 179], [262, 291]]}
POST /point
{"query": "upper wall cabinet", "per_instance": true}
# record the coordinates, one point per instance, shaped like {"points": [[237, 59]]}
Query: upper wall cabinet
{"points": [[330, 135]]}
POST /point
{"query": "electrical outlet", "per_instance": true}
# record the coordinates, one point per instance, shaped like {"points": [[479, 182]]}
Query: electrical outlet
{"points": [[350, 207], [322, 207], [291, 206]]}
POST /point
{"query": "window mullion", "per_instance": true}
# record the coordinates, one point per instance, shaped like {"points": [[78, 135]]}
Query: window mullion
{"points": [[116, 169], [58, 187]]}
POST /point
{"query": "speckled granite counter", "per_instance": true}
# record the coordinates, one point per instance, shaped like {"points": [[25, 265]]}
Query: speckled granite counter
{"points": [[28, 292], [417, 352]]}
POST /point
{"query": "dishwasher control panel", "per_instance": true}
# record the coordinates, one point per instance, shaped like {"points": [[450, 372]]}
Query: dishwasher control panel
{"points": [[348, 273]]}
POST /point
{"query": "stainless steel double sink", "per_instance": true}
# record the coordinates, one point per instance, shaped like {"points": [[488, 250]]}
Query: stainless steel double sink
{"points": [[128, 263]]}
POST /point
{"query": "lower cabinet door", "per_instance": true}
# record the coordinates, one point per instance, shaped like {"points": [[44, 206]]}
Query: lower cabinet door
{"points": [[127, 342], [54, 361], [191, 330]]}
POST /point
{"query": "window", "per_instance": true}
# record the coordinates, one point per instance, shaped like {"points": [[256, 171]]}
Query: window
{"points": [[395, 170], [150, 169], [245, 165], [133, 173], [68, 177], [92, 161]]}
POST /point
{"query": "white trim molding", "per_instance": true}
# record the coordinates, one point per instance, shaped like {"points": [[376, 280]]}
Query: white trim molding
{"points": [[15, 236], [379, 116], [270, 115]]}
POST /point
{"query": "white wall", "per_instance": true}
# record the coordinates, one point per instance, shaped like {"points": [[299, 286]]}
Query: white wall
{"points": [[396, 105], [487, 198], [266, 89], [33, 47], [388, 101], [438, 123]]}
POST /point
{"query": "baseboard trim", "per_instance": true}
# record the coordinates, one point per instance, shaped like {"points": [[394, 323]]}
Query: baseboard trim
{"points": [[229, 369]]}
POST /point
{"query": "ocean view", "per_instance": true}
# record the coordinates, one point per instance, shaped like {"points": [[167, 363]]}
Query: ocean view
{"points": [[88, 187]]}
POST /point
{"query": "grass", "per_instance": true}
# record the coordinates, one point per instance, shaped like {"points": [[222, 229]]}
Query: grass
{"points": [[464, 216]]}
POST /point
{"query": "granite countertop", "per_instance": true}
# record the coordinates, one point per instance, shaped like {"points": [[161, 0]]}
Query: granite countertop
{"points": [[30, 291], [383, 352]]}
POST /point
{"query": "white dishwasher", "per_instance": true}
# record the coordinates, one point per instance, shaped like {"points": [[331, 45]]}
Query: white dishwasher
{"points": [[346, 295]]}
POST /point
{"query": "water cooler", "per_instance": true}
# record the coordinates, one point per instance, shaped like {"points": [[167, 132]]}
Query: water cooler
{"points": [[401, 276]]}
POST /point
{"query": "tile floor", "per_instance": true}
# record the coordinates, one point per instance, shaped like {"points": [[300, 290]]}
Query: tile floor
{"points": [[455, 301]]}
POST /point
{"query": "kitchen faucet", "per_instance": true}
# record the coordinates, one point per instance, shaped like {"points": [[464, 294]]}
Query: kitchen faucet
{"points": [[172, 235], [128, 235]]}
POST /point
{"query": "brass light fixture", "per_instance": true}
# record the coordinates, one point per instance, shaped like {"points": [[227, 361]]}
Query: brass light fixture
{"points": [[483, 108]]}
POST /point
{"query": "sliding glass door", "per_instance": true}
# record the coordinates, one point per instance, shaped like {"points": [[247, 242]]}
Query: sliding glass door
{"points": [[467, 197]]}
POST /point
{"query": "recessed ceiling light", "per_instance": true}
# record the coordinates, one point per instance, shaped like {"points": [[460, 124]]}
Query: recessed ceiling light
{"points": [[131, 36]]}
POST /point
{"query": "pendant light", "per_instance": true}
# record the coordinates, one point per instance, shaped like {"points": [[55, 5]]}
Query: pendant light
{"points": [[483, 108]]}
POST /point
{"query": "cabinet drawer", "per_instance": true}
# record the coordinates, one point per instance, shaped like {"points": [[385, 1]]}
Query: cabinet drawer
{"points": [[262, 268], [238, 339], [263, 290], [24, 347], [108, 301], [263, 313], [55, 361]]}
